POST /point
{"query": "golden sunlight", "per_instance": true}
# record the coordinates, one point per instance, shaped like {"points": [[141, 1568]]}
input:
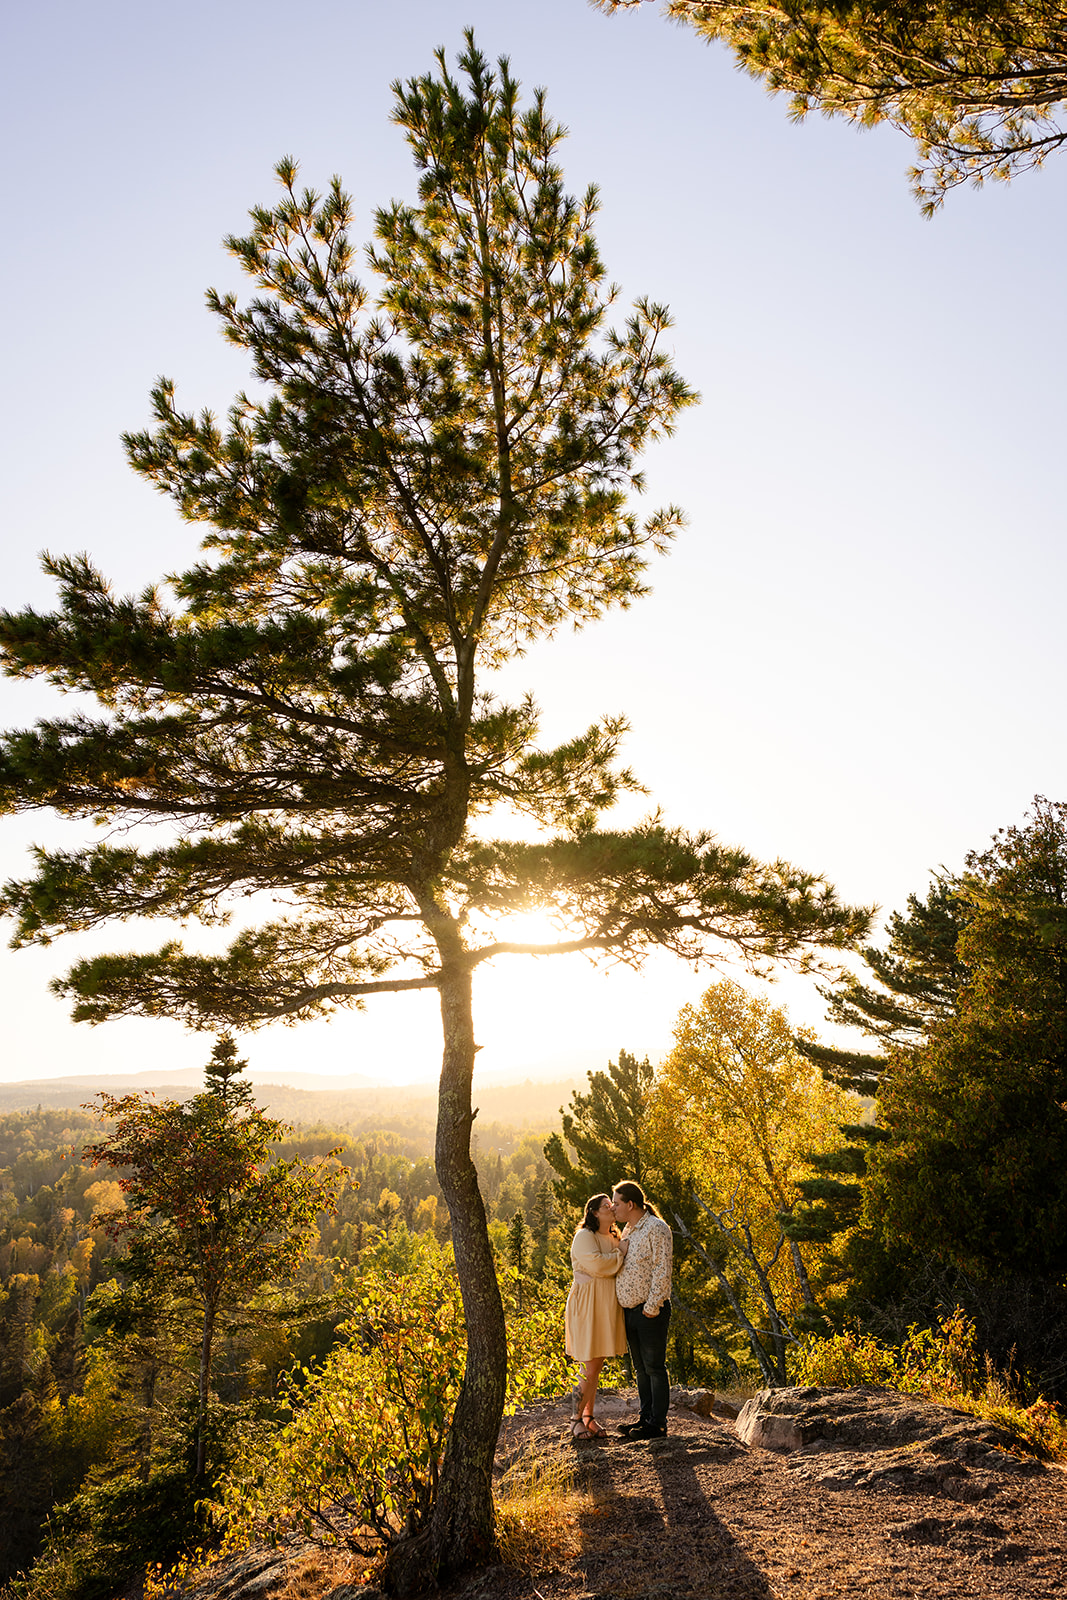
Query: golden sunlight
{"points": [[529, 927]]}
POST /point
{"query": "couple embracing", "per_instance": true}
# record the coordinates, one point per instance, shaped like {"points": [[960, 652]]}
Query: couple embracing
{"points": [[621, 1299]]}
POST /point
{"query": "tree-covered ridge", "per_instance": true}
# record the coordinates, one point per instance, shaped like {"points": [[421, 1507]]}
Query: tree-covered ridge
{"points": [[97, 1372]]}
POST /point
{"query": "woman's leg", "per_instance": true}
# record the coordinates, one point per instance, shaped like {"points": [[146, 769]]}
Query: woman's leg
{"points": [[589, 1386]]}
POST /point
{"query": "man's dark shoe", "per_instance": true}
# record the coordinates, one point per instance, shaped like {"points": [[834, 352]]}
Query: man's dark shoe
{"points": [[629, 1427], [643, 1431]]}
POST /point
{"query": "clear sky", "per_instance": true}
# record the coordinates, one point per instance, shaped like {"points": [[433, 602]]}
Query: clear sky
{"points": [[853, 658]]}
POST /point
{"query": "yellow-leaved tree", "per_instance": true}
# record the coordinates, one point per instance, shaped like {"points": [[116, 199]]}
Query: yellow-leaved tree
{"points": [[740, 1110]]}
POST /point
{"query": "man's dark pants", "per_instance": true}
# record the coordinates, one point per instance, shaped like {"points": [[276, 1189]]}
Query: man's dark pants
{"points": [[647, 1338]]}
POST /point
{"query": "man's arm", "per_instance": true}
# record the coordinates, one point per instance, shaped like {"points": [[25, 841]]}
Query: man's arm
{"points": [[661, 1250]]}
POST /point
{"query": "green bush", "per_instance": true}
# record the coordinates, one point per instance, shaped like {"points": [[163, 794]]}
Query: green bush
{"points": [[942, 1364], [110, 1532], [931, 1361], [538, 1365], [360, 1456]]}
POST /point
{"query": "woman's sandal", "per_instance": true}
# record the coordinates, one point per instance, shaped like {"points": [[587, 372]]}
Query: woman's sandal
{"points": [[579, 1429], [593, 1428]]}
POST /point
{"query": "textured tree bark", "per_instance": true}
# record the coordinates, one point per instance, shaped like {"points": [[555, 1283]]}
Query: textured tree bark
{"points": [[461, 1528]]}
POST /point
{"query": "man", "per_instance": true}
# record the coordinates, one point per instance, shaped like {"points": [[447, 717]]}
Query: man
{"points": [[643, 1287]]}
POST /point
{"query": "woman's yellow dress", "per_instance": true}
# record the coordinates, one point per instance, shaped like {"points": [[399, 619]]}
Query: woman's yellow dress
{"points": [[594, 1321]]}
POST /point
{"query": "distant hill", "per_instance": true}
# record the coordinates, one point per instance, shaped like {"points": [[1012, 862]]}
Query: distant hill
{"points": [[185, 1077], [345, 1103]]}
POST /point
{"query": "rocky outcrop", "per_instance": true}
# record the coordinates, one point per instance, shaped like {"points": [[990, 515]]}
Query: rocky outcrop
{"points": [[794, 1419], [866, 1438], [937, 1507], [299, 1567]]}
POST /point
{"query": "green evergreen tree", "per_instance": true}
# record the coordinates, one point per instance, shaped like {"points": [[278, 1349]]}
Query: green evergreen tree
{"points": [[222, 1076], [865, 1273], [832, 1201], [541, 1224], [419, 485], [519, 1252], [210, 1211], [980, 87], [607, 1130], [914, 983], [917, 980], [976, 1167]]}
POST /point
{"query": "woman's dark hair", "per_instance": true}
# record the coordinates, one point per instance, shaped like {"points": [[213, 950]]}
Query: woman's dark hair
{"points": [[592, 1206], [635, 1195]]}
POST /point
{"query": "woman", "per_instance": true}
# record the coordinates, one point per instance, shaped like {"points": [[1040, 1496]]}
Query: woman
{"points": [[595, 1328]]}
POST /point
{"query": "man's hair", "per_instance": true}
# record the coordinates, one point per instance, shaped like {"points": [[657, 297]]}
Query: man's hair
{"points": [[635, 1195], [592, 1205]]}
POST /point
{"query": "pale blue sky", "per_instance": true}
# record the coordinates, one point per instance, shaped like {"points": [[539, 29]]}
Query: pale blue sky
{"points": [[854, 656]]}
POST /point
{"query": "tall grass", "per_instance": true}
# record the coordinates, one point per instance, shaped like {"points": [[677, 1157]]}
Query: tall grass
{"points": [[537, 1507]]}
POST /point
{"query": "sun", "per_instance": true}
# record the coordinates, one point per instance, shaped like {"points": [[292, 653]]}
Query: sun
{"points": [[529, 927]]}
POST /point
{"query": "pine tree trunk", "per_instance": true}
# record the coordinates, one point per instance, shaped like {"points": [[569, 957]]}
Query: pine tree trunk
{"points": [[461, 1530]]}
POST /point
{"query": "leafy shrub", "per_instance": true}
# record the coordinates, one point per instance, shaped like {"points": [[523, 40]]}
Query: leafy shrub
{"points": [[537, 1363], [358, 1460], [940, 1363], [843, 1360], [934, 1361], [360, 1456]]}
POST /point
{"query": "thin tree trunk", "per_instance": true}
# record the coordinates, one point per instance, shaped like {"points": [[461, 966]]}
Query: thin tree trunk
{"points": [[762, 1358], [803, 1281], [148, 1396], [205, 1389], [777, 1329], [461, 1528]]}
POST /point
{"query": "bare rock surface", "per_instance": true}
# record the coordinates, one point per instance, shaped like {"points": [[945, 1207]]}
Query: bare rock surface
{"points": [[701, 1401], [865, 1418]]}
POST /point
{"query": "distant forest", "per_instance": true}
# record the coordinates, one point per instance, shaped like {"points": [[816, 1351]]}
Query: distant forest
{"points": [[90, 1385], [402, 1109]]}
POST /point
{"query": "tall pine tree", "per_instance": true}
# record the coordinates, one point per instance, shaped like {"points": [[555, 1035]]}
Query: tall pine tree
{"points": [[421, 482], [209, 1214], [980, 87], [607, 1130], [976, 1167], [916, 982]]}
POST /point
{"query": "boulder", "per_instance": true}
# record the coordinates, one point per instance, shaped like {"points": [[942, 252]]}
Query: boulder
{"points": [[781, 1419], [700, 1401], [867, 1419]]}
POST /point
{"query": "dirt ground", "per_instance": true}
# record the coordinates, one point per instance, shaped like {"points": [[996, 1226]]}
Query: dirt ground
{"points": [[701, 1516]]}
